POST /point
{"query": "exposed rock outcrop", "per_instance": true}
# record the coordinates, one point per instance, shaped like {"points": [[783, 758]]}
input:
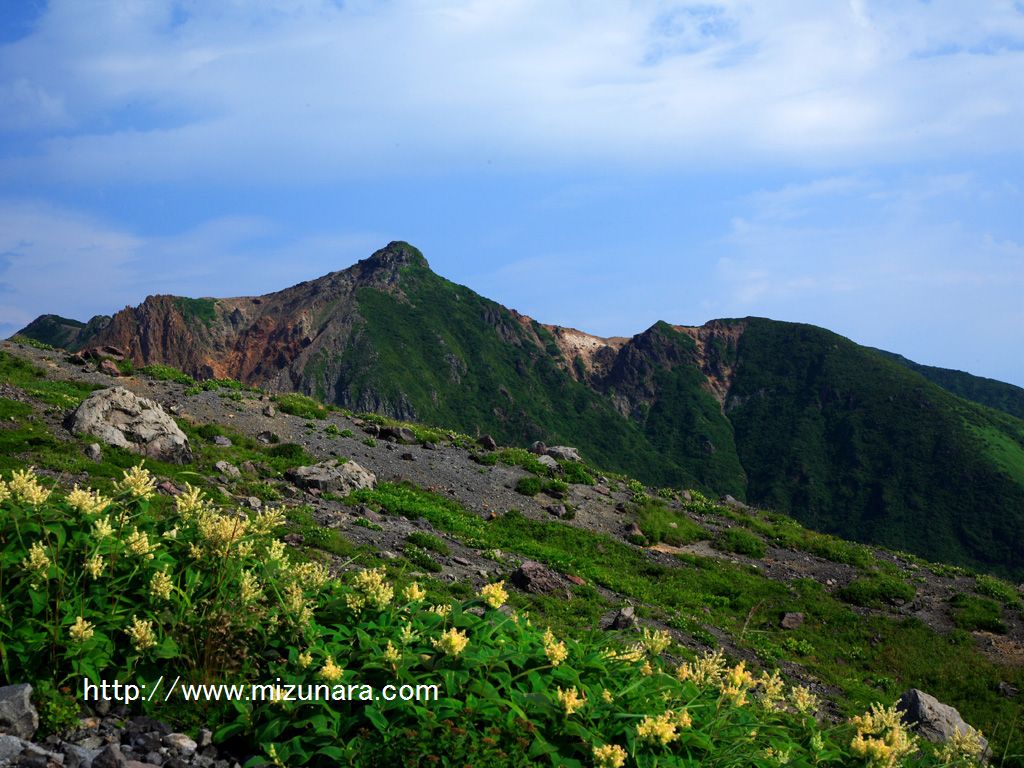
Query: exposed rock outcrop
{"points": [[118, 417], [930, 718], [333, 477]]}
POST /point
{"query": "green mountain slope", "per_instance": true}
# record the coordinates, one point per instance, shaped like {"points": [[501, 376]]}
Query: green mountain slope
{"points": [[995, 394]]}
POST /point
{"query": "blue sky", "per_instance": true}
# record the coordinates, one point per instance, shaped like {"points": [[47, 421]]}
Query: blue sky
{"points": [[856, 165]]}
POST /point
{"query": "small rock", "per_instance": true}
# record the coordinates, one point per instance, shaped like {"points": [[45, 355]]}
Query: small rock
{"points": [[634, 530], [227, 468], [168, 488], [17, 715], [293, 538], [76, 358], [624, 618], [387, 554], [461, 561], [579, 582], [537, 578], [557, 510], [154, 758], [548, 462], [397, 434], [174, 408], [734, 503], [266, 437], [109, 367], [408, 457], [180, 742], [430, 446], [603, 490], [94, 452], [111, 757], [791, 620], [487, 442], [253, 502], [205, 738], [10, 748], [930, 718], [539, 448], [222, 441], [249, 467], [1008, 691], [564, 452], [269, 411], [78, 756]]}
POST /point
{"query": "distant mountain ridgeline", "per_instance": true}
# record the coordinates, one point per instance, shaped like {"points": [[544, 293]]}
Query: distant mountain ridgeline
{"points": [[847, 439]]}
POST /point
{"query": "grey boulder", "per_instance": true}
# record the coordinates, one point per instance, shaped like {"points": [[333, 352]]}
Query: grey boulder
{"points": [[333, 477], [564, 452], [119, 417], [930, 718], [17, 715]]}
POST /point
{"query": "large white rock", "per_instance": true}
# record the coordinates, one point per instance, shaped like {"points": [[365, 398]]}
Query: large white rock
{"points": [[119, 417], [332, 476], [932, 719]]}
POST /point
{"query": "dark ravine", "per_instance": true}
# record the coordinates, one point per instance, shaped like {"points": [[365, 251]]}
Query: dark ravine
{"points": [[786, 415]]}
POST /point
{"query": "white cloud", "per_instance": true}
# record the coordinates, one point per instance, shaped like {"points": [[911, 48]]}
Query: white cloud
{"points": [[251, 91], [53, 260]]}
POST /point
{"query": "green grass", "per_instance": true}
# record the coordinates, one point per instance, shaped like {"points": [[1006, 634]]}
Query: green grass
{"points": [[37, 383], [429, 542], [741, 542], [661, 524], [167, 373], [977, 613], [877, 590], [196, 310], [301, 405]]}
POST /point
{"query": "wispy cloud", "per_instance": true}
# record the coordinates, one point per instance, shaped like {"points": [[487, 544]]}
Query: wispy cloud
{"points": [[327, 90]]}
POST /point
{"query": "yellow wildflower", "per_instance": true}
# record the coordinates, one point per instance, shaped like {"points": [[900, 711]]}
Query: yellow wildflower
{"points": [[683, 719], [656, 642], [633, 653], [647, 670], [160, 586], [494, 594], [372, 584], [607, 697], [330, 671], [610, 756], [963, 746], [881, 738], [444, 610], [102, 528], [770, 689], [138, 544], [355, 602], [37, 560], [391, 654], [81, 630], [170, 534], [141, 633], [553, 649], [803, 700], [5, 492], [571, 700], [409, 635], [137, 482], [452, 642], [305, 659], [26, 487], [94, 566], [266, 521], [275, 551], [190, 502], [87, 502], [249, 589], [736, 683], [705, 671], [297, 604], [311, 575], [658, 730], [777, 756], [413, 593], [219, 531]]}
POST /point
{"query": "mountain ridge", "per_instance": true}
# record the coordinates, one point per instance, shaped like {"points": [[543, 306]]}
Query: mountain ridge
{"points": [[843, 437]]}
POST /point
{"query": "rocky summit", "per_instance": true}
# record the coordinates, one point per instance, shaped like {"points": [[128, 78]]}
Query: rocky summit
{"points": [[848, 440]]}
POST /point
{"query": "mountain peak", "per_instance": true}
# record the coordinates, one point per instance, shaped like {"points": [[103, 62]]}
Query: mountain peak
{"points": [[393, 256]]}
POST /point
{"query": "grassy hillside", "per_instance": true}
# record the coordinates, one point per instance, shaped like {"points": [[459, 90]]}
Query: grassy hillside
{"points": [[852, 443], [989, 392]]}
